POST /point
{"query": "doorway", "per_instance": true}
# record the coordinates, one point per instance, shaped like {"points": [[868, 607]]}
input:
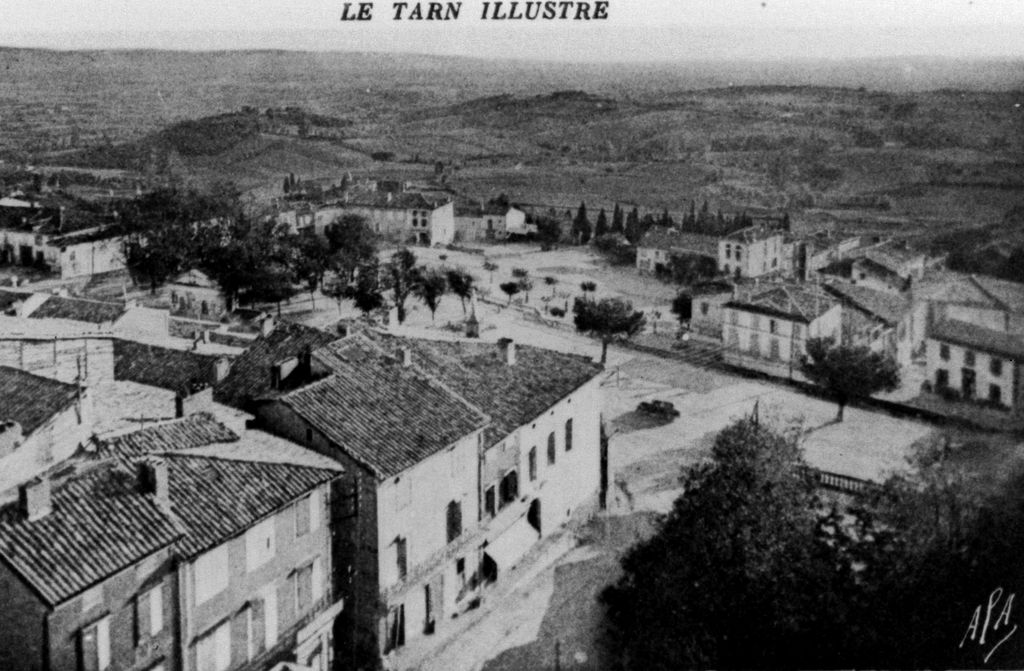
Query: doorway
{"points": [[968, 383], [533, 515]]}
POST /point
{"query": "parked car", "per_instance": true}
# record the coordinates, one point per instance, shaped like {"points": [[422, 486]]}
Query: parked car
{"points": [[658, 408]]}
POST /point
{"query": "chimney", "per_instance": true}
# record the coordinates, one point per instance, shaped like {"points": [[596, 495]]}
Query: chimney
{"points": [[280, 371], [153, 479], [221, 368], [34, 498], [508, 348], [10, 436], [406, 357], [266, 325]]}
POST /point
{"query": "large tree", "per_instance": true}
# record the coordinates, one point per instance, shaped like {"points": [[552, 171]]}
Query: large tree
{"points": [[682, 307], [403, 277], [367, 292], [311, 260], [352, 242], [848, 372], [607, 319], [430, 287], [461, 284], [581, 228]]}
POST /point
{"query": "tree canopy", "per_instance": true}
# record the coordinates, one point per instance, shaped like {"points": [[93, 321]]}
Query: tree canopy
{"points": [[431, 285], [848, 372], [607, 319]]}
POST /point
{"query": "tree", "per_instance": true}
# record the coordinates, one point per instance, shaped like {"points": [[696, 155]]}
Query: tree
{"points": [[616, 249], [633, 230], [618, 225], [601, 227], [367, 292], [490, 267], [312, 258], [549, 231], [607, 319], [431, 286], [461, 284], [403, 277], [351, 242], [682, 307], [588, 287], [510, 289], [522, 276], [551, 281], [740, 565], [581, 229], [849, 372]]}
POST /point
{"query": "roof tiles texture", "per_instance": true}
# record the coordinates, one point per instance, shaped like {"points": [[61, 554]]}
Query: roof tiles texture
{"points": [[660, 237], [385, 415], [890, 308], [193, 431], [801, 303], [176, 370], [31, 400], [978, 337], [78, 309]]}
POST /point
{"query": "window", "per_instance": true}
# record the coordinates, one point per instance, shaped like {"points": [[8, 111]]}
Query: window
{"points": [[568, 434], [969, 358], [94, 646], [270, 617], [704, 308], [309, 436], [453, 517], [551, 448], [489, 501], [149, 613], [942, 378], [774, 348], [508, 489], [401, 557], [755, 322], [532, 465], [211, 573], [304, 589], [755, 344], [733, 339], [307, 514], [995, 394], [259, 544], [726, 268], [773, 326], [995, 366], [213, 650], [737, 255], [728, 252], [734, 316]]}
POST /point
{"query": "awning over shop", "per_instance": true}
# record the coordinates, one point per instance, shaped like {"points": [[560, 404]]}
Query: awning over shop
{"points": [[512, 544]]}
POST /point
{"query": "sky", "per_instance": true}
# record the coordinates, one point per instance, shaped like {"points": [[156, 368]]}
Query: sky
{"points": [[635, 30]]}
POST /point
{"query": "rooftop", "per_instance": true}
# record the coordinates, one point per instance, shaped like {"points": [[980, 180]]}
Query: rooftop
{"points": [[960, 288], [511, 395], [752, 234], [669, 239], [172, 369], [31, 400], [78, 309], [978, 337], [189, 432], [803, 303], [9, 298], [888, 307], [101, 523], [249, 378], [393, 201], [387, 416]]}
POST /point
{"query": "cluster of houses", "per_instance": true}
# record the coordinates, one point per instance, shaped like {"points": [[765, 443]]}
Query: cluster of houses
{"points": [[308, 501], [772, 292]]}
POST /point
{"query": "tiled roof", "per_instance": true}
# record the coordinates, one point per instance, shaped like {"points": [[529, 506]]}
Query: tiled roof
{"points": [[951, 287], [669, 239], [385, 415], [511, 395], [78, 309], [189, 432], [250, 373], [100, 524], [977, 337], [797, 302], [31, 400], [890, 308], [176, 370], [393, 201], [752, 234], [217, 499]]}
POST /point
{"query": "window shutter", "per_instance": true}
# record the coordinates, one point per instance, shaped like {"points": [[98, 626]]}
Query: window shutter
{"points": [[318, 579], [156, 610], [103, 644], [257, 626], [87, 649], [315, 508]]}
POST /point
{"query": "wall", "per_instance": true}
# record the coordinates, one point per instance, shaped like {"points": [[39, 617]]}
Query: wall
{"points": [[89, 258], [117, 598], [709, 323], [51, 443], [59, 359], [22, 625], [442, 225], [245, 587], [740, 326], [982, 369]]}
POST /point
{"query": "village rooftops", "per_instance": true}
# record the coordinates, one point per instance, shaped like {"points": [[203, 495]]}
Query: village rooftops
{"points": [[751, 234], [79, 309], [32, 400], [24, 328], [250, 376], [979, 290], [393, 201], [670, 239], [100, 523], [8, 299], [977, 337], [792, 302], [386, 415], [890, 308], [512, 395], [172, 369], [220, 483]]}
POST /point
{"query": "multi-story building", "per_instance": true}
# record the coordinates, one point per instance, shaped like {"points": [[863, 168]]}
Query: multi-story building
{"points": [[477, 221], [751, 252], [57, 348], [768, 329], [87, 573], [978, 363], [405, 216], [660, 244], [878, 320]]}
